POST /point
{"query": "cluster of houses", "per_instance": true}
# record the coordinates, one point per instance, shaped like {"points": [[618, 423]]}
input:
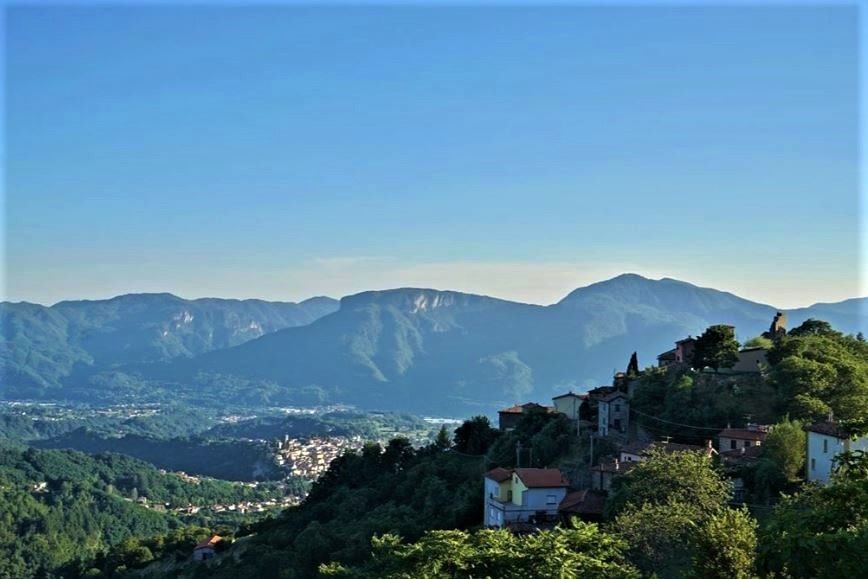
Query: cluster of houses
{"points": [[534, 497]]}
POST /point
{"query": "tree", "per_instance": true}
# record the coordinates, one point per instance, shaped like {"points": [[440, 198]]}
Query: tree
{"points": [[813, 327], [665, 477], [443, 442], [725, 546], [716, 348], [759, 342], [475, 436], [785, 448], [816, 372], [581, 550], [821, 532]]}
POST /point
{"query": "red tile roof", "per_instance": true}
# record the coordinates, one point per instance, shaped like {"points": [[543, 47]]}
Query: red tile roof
{"points": [[541, 477], [498, 474], [743, 434]]}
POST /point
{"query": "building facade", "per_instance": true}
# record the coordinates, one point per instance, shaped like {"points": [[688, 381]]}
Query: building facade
{"points": [[826, 440]]}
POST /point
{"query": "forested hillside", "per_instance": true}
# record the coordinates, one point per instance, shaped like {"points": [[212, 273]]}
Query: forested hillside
{"points": [[430, 351], [60, 507], [42, 347]]}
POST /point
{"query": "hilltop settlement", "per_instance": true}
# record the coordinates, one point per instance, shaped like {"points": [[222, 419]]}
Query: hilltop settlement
{"points": [[523, 498]]}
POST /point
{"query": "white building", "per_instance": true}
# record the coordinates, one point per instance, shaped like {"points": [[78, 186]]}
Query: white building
{"points": [[825, 442]]}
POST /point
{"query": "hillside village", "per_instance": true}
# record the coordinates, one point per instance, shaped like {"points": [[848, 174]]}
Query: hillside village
{"points": [[528, 498]]}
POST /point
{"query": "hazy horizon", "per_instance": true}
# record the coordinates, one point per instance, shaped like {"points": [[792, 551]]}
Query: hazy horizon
{"points": [[192, 297], [280, 152]]}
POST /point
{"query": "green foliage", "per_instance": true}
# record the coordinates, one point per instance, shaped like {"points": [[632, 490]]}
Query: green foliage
{"points": [[58, 508], [759, 342], [821, 532], [785, 448], [726, 546], [545, 438], [687, 477], [580, 551], [716, 348], [671, 511], [475, 436], [817, 370]]}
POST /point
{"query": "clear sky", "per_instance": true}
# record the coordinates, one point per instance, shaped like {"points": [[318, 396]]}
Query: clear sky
{"points": [[283, 152]]}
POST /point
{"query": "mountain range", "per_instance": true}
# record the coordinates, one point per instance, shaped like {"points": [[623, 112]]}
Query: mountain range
{"points": [[409, 349], [42, 348]]}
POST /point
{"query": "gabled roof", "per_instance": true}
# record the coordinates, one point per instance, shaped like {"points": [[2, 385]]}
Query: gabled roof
{"points": [[743, 434], [584, 502], [499, 474], [686, 340], [667, 354], [541, 477], [829, 429], [743, 455], [613, 396], [570, 394], [600, 392], [520, 408]]}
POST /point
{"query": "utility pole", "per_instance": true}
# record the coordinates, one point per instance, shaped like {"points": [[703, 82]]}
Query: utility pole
{"points": [[518, 454]]}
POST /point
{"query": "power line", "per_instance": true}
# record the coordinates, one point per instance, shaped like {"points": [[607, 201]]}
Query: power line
{"points": [[678, 423]]}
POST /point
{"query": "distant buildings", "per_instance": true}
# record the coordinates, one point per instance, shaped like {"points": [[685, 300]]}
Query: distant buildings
{"points": [[508, 418], [736, 438], [826, 440], [613, 414]]}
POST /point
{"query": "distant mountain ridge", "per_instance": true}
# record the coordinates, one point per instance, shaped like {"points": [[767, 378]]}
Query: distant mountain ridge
{"points": [[443, 351], [42, 346], [430, 350]]}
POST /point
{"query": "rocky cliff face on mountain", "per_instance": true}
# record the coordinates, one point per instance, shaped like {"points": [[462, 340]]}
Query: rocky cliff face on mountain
{"points": [[411, 349]]}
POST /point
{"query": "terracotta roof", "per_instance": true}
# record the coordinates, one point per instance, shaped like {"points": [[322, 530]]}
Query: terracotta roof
{"points": [[685, 340], [498, 474], [828, 428], [209, 543], [541, 477], [667, 354], [585, 502], [520, 408], [743, 434]]}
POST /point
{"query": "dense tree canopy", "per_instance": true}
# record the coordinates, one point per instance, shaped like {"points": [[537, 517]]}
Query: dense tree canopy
{"points": [[716, 348]]}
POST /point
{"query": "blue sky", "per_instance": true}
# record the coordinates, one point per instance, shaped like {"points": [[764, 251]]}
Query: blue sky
{"points": [[286, 151]]}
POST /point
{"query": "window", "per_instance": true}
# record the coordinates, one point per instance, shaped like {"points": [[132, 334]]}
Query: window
{"points": [[813, 464], [825, 445], [746, 443], [732, 444], [551, 500], [509, 495], [617, 408]]}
